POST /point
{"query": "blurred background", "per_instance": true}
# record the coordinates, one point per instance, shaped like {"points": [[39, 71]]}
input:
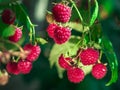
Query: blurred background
{"points": [[42, 77]]}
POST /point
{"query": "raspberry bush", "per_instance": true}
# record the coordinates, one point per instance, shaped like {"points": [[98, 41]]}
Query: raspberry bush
{"points": [[20, 46], [80, 54], [75, 29]]}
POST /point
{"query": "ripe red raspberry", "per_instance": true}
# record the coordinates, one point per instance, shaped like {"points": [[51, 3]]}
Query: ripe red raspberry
{"points": [[51, 29], [24, 66], [64, 62], [34, 51], [75, 75], [17, 35], [89, 56], [61, 12], [8, 16], [61, 34], [99, 71], [12, 68]]}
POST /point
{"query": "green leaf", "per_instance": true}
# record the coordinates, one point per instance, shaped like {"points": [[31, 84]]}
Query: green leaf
{"points": [[8, 31], [21, 15], [77, 26], [1, 1], [41, 40], [57, 50], [94, 14], [112, 59]]}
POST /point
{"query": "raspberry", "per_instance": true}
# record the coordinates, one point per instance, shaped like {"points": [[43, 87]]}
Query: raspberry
{"points": [[64, 62], [61, 34], [17, 35], [61, 12], [99, 71], [8, 16], [34, 52], [12, 68], [24, 66], [89, 56], [75, 75], [51, 29]]}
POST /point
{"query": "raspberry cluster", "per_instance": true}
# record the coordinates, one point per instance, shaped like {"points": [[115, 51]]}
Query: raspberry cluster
{"points": [[86, 57], [59, 33], [18, 62], [24, 66]]}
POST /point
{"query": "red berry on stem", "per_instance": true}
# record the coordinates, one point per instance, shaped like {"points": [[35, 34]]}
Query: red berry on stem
{"points": [[12, 68], [99, 71], [89, 56], [24, 66], [51, 29], [61, 34], [8, 16], [64, 62], [75, 75], [17, 35], [61, 12], [34, 51]]}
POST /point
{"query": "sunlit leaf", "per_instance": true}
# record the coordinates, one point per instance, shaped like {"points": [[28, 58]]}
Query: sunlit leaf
{"points": [[77, 26], [57, 50], [41, 40], [112, 59]]}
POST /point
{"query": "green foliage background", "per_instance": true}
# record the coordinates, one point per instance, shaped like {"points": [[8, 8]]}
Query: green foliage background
{"points": [[42, 77]]}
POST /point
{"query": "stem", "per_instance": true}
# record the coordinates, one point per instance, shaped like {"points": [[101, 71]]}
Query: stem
{"points": [[15, 44], [90, 37], [79, 14], [78, 54], [33, 33], [100, 55], [89, 6], [32, 28], [17, 59]]}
